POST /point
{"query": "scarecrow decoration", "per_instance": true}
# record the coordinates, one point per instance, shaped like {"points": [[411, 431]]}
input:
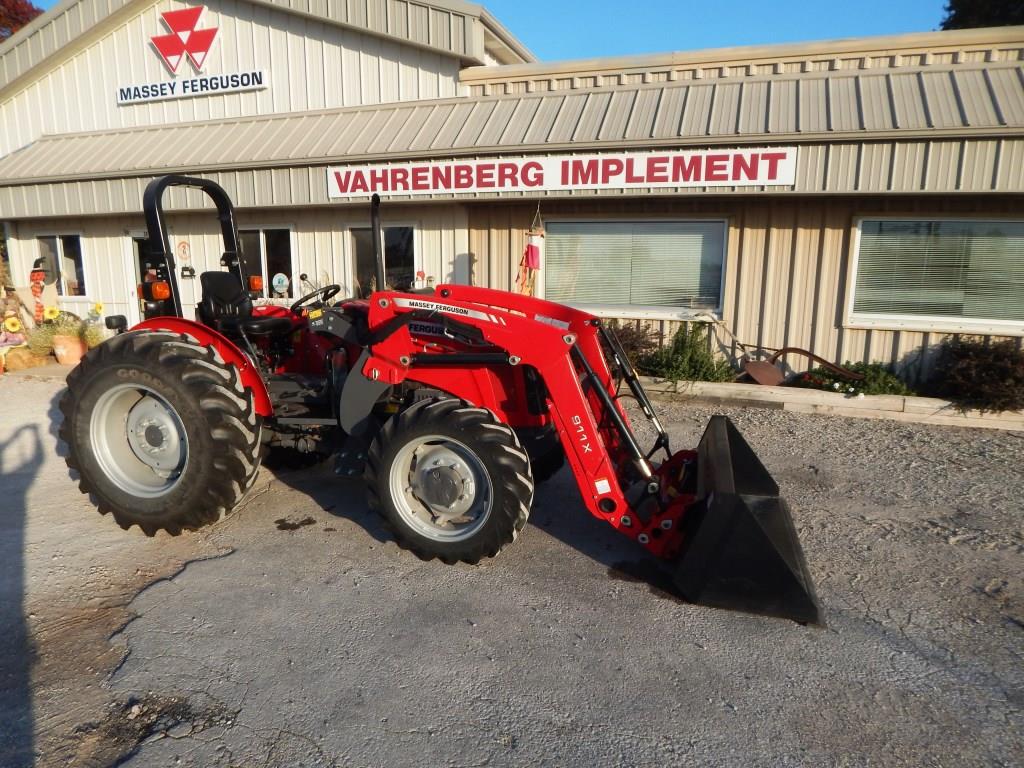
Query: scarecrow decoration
{"points": [[37, 277]]}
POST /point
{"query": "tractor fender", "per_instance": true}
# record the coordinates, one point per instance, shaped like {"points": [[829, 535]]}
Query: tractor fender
{"points": [[232, 355]]}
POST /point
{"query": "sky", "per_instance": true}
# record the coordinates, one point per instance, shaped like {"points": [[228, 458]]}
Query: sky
{"points": [[570, 29], [573, 29]]}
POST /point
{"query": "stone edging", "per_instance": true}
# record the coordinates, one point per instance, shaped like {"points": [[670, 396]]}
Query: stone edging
{"points": [[921, 410]]}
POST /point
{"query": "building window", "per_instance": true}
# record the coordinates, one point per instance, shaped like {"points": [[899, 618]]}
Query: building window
{"points": [[268, 253], [663, 266], [399, 260], [60, 259], [939, 275]]}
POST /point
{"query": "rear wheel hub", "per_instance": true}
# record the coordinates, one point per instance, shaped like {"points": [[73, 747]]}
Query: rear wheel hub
{"points": [[139, 440], [154, 434]]}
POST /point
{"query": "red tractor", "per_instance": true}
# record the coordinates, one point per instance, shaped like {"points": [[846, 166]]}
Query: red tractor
{"points": [[450, 403]]}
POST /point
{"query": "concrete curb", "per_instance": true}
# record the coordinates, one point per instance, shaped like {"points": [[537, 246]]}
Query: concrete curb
{"points": [[919, 410]]}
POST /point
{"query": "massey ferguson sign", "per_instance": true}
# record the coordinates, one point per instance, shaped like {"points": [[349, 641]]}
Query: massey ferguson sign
{"points": [[187, 39], [633, 170]]}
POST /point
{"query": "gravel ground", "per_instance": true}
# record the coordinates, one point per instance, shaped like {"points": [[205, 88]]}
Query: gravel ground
{"points": [[295, 633]]}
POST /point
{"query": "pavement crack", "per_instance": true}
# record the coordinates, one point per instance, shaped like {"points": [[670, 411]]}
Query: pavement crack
{"points": [[133, 615]]}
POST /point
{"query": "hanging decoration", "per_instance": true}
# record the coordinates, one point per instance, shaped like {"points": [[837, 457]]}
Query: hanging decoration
{"points": [[526, 283]]}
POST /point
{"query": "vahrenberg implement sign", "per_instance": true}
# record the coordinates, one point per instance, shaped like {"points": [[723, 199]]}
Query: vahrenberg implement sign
{"points": [[631, 170]]}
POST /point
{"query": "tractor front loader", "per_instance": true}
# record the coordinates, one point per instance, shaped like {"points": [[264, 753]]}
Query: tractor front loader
{"points": [[450, 403]]}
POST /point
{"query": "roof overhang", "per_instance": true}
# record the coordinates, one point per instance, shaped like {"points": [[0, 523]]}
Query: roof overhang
{"points": [[501, 45], [750, 56]]}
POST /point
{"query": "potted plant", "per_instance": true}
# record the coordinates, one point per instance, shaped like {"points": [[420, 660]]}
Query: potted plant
{"points": [[65, 335]]}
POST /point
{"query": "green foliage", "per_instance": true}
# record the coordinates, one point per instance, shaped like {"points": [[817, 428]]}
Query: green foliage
{"points": [[978, 374], [688, 358], [40, 338], [968, 14], [878, 380]]}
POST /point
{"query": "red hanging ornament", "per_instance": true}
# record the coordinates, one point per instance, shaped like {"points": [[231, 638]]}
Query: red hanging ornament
{"points": [[531, 261]]}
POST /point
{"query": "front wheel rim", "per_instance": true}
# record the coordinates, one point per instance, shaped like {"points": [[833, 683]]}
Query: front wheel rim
{"points": [[139, 441], [441, 489]]}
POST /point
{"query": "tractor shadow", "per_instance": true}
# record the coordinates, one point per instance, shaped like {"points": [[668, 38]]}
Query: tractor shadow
{"points": [[21, 454], [557, 511], [342, 498]]}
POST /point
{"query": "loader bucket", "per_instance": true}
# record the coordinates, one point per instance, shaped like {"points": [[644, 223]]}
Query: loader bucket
{"points": [[740, 548]]}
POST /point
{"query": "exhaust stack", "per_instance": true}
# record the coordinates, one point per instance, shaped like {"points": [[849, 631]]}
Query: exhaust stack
{"points": [[378, 246]]}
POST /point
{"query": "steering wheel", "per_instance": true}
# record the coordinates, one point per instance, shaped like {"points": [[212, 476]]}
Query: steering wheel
{"points": [[321, 295]]}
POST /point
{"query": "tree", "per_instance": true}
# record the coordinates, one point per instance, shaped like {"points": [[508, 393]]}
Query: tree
{"points": [[967, 14], [15, 14]]}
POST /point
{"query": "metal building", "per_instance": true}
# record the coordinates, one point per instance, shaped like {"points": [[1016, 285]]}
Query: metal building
{"points": [[860, 198]]}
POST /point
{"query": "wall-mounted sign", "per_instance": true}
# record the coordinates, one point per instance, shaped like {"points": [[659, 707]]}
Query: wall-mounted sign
{"points": [[187, 40], [631, 170], [280, 283]]}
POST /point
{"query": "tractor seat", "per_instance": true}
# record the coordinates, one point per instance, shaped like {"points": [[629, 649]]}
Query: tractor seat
{"points": [[227, 308]]}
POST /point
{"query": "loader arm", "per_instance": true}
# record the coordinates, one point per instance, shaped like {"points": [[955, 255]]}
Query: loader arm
{"points": [[715, 513], [614, 474]]}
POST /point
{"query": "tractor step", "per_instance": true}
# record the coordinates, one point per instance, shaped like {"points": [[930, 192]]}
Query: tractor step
{"points": [[296, 389], [740, 548]]}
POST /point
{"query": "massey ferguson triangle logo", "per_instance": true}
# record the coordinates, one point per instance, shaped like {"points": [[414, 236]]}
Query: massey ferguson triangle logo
{"points": [[185, 39]]}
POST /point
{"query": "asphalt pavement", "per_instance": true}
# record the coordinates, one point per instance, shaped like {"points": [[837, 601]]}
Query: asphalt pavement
{"points": [[296, 633]]}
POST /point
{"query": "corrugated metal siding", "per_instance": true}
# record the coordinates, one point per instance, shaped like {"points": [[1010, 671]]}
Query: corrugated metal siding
{"points": [[20, 55], [448, 29], [988, 165], [825, 106], [428, 24], [310, 65], [786, 266]]}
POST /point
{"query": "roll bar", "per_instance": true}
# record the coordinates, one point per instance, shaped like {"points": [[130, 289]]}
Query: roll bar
{"points": [[159, 245]]}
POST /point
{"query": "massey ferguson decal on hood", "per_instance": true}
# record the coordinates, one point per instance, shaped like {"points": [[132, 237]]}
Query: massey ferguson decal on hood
{"points": [[188, 40]]}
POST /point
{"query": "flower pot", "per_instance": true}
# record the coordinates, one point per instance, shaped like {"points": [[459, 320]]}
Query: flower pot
{"points": [[68, 349]]}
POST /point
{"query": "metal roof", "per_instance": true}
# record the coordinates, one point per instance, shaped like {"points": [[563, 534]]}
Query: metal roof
{"points": [[932, 103]]}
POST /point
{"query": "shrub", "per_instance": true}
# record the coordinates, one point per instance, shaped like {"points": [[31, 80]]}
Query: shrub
{"points": [[688, 357], [976, 374], [40, 339], [637, 341], [878, 380]]}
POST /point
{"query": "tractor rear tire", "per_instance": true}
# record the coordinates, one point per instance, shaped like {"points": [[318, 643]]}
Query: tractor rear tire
{"points": [[450, 480], [160, 431]]}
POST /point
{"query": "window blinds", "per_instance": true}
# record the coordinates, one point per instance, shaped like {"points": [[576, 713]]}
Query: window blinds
{"points": [[675, 264], [961, 270]]}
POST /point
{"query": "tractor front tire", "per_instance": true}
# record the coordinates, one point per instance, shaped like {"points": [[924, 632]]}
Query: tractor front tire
{"points": [[450, 480], [160, 431]]}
